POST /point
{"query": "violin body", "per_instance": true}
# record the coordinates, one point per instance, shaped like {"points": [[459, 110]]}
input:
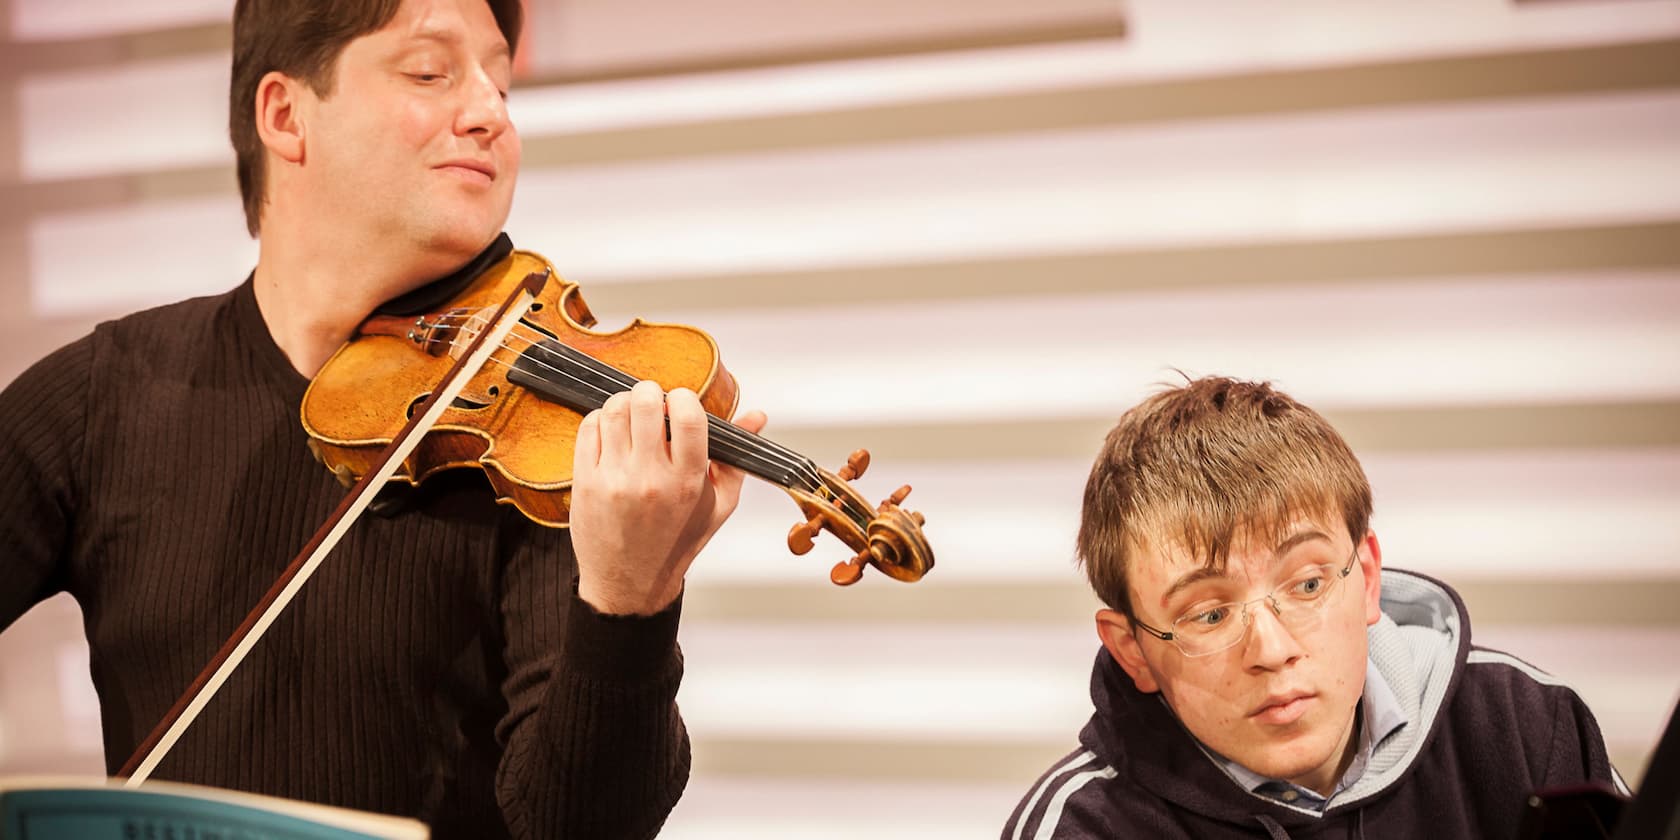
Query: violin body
{"points": [[363, 396], [517, 416]]}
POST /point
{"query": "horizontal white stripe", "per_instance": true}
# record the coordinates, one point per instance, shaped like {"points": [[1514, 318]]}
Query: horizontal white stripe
{"points": [[1375, 343], [766, 808], [1168, 39], [937, 682], [1529, 515], [1436, 169], [126, 258], [1424, 169], [42, 20], [173, 110], [638, 34], [1378, 343], [1000, 682], [140, 116], [1641, 675]]}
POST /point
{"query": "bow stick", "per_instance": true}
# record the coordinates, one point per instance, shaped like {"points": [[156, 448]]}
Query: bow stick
{"points": [[151, 751]]}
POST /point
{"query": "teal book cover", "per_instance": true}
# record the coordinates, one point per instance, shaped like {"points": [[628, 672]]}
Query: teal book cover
{"points": [[60, 809]]}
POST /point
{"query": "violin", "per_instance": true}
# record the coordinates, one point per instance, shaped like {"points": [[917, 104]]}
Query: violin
{"points": [[517, 417], [499, 377]]}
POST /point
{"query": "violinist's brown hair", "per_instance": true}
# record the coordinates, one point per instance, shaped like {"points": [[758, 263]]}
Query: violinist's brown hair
{"points": [[303, 39], [1202, 466]]}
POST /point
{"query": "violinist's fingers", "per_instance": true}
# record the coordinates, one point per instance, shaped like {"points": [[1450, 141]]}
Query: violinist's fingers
{"points": [[615, 427], [586, 450], [647, 423], [688, 431], [753, 421]]}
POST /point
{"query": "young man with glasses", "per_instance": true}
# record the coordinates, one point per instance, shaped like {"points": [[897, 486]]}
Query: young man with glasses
{"points": [[1259, 676]]}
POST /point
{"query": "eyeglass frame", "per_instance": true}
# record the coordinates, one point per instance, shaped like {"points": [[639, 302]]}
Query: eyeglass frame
{"points": [[1244, 605]]}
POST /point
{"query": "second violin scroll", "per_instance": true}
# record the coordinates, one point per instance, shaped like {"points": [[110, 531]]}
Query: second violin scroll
{"points": [[517, 418]]}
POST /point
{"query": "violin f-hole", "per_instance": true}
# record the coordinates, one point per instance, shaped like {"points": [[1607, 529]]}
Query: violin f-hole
{"points": [[464, 403], [468, 403]]}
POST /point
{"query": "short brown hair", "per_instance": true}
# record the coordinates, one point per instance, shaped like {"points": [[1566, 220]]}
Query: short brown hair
{"points": [[303, 39], [1203, 465]]}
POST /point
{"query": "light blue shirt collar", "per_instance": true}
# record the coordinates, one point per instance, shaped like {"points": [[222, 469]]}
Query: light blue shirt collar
{"points": [[1380, 716]]}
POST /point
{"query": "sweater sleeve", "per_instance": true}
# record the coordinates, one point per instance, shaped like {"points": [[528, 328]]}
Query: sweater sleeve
{"points": [[1075, 800], [593, 743], [1577, 751], [42, 423]]}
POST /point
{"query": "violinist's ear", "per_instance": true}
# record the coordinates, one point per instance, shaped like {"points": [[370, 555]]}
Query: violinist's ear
{"points": [[278, 115], [1115, 630]]}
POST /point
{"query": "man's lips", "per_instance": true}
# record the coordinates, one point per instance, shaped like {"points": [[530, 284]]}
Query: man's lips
{"points": [[478, 167], [1283, 708]]}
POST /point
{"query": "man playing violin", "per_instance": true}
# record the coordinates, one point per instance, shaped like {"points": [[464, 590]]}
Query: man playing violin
{"points": [[1261, 675], [452, 660]]}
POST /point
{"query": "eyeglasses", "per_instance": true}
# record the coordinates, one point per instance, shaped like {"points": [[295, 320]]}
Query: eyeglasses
{"points": [[1295, 602]]}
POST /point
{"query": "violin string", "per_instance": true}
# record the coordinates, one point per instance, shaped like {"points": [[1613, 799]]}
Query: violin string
{"points": [[727, 441], [741, 443], [734, 439], [744, 440]]}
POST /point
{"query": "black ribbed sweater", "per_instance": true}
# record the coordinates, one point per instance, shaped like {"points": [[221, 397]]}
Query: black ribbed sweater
{"points": [[439, 663]]}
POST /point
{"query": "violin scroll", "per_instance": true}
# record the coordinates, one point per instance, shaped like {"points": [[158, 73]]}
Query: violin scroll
{"points": [[885, 536]]}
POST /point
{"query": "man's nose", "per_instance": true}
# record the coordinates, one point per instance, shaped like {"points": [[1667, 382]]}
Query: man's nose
{"points": [[485, 112], [1270, 645]]}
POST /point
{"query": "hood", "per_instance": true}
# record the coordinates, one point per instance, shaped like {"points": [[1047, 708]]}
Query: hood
{"points": [[1420, 646]]}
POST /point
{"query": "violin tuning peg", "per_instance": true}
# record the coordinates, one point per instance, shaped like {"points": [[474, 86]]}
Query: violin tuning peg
{"points": [[917, 515], [897, 497], [803, 535], [856, 463], [848, 572]]}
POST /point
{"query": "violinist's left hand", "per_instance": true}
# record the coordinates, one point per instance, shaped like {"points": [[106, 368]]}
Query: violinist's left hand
{"points": [[642, 507]]}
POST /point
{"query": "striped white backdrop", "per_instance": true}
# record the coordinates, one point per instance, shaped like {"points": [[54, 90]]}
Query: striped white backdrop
{"points": [[1453, 226]]}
